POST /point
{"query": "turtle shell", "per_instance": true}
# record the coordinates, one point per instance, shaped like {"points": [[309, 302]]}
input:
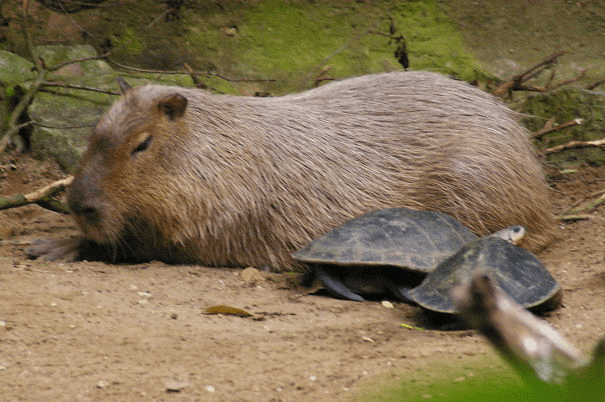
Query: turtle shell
{"points": [[516, 271], [398, 237]]}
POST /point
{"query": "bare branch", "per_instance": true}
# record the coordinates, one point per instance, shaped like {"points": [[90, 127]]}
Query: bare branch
{"points": [[80, 87], [572, 218], [576, 211], [515, 82], [204, 73], [13, 127], [548, 61], [28, 39], [579, 77], [536, 350], [42, 197], [549, 128], [61, 127], [66, 63], [595, 84], [574, 144]]}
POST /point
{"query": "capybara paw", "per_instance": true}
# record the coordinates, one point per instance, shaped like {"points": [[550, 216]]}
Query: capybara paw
{"points": [[53, 250]]}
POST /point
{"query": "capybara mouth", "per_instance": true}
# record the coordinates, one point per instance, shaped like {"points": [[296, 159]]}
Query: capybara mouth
{"points": [[95, 230]]}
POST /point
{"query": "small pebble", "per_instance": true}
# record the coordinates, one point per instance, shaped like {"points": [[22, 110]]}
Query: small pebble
{"points": [[387, 304], [102, 384], [175, 386], [251, 276]]}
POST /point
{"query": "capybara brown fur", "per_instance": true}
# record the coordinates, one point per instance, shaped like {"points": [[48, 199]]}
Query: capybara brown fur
{"points": [[182, 175]]}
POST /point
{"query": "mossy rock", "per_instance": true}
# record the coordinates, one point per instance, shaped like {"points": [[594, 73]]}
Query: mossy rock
{"points": [[14, 69], [64, 124], [66, 117], [57, 54], [565, 105]]}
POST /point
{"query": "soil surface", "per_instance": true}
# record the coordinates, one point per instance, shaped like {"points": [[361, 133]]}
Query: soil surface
{"points": [[95, 331]]}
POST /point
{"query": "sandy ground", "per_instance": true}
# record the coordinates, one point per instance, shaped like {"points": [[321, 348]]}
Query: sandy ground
{"points": [[93, 331]]}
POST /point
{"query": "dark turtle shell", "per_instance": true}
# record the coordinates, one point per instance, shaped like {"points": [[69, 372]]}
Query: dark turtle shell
{"points": [[516, 271], [397, 237]]}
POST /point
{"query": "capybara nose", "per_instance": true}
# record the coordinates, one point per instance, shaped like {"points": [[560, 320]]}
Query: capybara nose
{"points": [[91, 214], [88, 212], [84, 210]]}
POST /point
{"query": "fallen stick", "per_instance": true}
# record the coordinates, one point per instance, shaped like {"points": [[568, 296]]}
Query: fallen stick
{"points": [[577, 78], [549, 128], [42, 197], [515, 83], [574, 212], [574, 144], [572, 218], [595, 84], [542, 357]]}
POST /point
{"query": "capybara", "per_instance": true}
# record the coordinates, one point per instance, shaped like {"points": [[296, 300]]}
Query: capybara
{"points": [[182, 175]]}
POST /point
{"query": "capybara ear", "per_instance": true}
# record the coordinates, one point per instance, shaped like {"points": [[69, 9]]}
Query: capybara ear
{"points": [[123, 85], [173, 106]]}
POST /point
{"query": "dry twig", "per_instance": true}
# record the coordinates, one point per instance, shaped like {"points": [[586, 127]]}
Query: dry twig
{"points": [[83, 59], [42, 197], [543, 357], [575, 213], [595, 84], [516, 82], [13, 127], [80, 87], [550, 128], [574, 144], [190, 73], [578, 78]]}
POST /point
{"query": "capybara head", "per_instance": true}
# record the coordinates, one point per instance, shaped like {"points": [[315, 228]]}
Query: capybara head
{"points": [[182, 175], [132, 154]]}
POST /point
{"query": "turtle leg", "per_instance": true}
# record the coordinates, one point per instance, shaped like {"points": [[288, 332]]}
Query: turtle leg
{"points": [[334, 285], [401, 293]]}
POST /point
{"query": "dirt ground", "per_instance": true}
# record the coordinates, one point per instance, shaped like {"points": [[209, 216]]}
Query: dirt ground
{"points": [[93, 331]]}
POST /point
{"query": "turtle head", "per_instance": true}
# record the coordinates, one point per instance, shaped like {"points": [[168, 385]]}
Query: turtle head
{"points": [[512, 234]]}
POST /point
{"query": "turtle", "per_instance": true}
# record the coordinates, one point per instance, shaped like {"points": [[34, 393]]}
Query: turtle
{"points": [[516, 271], [390, 249]]}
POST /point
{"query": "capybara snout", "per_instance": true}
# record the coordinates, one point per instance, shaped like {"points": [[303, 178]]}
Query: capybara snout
{"points": [[182, 175]]}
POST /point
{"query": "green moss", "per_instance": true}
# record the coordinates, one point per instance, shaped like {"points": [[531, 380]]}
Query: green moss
{"points": [[14, 69], [130, 42], [477, 378], [449, 380], [293, 41]]}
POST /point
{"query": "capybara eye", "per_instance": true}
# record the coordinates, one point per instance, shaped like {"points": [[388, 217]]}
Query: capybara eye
{"points": [[143, 145]]}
